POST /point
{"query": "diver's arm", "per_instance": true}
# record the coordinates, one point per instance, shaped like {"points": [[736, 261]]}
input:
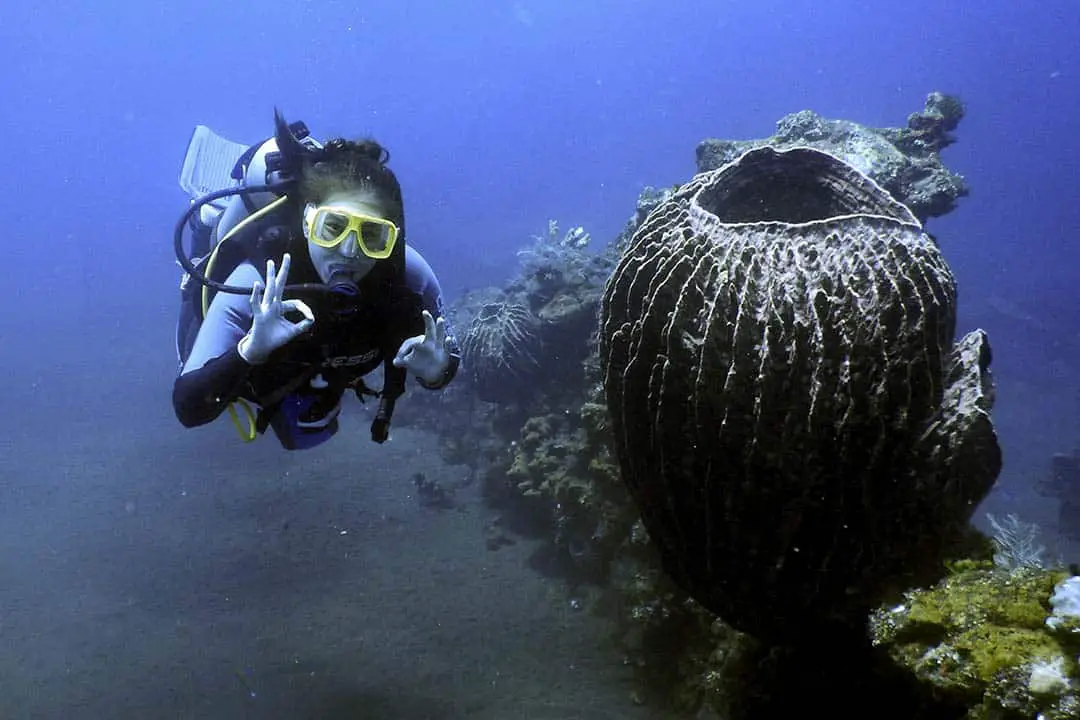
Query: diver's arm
{"points": [[421, 279], [214, 371]]}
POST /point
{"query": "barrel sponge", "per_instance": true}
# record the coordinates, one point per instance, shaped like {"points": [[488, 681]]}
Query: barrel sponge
{"points": [[791, 415]]}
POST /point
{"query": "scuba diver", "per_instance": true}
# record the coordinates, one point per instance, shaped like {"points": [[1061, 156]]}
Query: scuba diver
{"points": [[300, 283]]}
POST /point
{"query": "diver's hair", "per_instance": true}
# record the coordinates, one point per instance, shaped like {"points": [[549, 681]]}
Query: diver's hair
{"points": [[347, 166]]}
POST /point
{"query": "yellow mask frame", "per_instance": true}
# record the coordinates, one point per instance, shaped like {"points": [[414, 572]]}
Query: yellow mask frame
{"points": [[329, 225]]}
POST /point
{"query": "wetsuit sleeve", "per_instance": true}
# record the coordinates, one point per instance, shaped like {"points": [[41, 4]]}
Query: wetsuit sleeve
{"points": [[421, 279], [214, 372]]}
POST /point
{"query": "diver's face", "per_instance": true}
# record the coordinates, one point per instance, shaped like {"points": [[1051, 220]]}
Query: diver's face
{"points": [[346, 258]]}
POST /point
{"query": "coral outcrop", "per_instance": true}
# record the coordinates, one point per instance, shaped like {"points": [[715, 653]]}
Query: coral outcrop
{"points": [[904, 161], [545, 453]]}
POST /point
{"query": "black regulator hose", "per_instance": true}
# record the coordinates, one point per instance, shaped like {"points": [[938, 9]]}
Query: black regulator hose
{"points": [[197, 274]]}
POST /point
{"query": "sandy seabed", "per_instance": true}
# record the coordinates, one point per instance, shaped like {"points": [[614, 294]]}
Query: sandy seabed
{"points": [[160, 573]]}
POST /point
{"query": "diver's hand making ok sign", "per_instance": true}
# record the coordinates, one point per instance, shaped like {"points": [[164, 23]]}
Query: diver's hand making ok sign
{"points": [[426, 356], [270, 329]]}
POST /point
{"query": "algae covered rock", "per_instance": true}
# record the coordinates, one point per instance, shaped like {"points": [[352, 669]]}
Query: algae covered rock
{"points": [[980, 639], [790, 413]]}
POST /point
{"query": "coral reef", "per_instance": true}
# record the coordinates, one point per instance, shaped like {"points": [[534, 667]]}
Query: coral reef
{"points": [[533, 334], [563, 465], [904, 161], [548, 471], [685, 656]]}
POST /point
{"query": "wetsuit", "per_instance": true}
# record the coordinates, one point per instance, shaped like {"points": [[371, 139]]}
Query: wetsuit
{"points": [[300, 387]]}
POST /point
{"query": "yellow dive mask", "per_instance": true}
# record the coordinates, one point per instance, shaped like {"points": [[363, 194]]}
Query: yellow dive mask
{"points": [[329, 225]]}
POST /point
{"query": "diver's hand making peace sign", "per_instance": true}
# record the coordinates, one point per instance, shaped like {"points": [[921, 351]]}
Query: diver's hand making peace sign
{"points": [[426, 356], [270, 329]]}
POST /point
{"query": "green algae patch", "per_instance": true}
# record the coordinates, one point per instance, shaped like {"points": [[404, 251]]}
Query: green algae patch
{"points": [[979, 637]]}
